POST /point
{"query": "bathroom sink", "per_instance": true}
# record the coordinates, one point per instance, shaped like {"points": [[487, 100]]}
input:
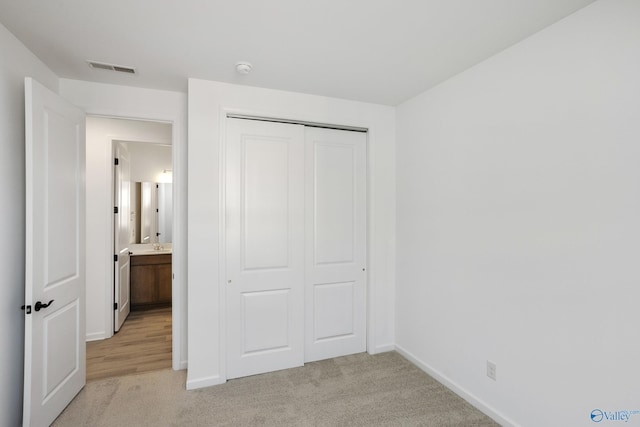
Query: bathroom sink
{"points": [[135, 252], [147, 249]]}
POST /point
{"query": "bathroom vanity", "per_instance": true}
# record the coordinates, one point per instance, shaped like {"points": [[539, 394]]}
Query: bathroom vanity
{"points": [[150, 277]]}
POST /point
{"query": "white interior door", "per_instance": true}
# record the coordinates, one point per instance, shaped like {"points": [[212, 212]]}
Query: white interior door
{"points": [[335, 285], [122, 221], [54, 368], [264, 246]]}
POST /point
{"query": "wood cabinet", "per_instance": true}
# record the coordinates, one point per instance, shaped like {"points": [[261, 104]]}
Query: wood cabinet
{"points": [[150, 281]]}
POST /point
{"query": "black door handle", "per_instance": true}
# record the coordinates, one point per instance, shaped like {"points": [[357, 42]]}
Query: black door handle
{"points": [[40, 305]]}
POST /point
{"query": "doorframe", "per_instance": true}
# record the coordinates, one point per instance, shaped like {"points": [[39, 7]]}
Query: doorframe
{"points": [[224, 114], [114, 139], [178, 315]]}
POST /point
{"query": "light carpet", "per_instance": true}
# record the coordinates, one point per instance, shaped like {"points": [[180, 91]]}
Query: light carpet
{"points": [[357, 390]]}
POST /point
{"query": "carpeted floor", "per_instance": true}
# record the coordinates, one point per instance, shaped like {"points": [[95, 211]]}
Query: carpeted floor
{"points": [[358, 390]]}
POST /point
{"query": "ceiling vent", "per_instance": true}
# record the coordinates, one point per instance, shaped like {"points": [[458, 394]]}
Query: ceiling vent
{"points": [[112, 67]]}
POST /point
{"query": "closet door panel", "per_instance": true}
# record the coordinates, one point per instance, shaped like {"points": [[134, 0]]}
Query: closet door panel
{"points": [[335, 240], [334, 210], [264, 205], [264, 246]]}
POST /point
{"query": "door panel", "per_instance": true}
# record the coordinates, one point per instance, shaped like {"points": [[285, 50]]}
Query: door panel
{"points": [[165, 289], [335, 239], [61, 350], [122, 224], [264, 246], [333, 215], [333, 309], [60, 266], [265, 223], [266, 321], [54, 368], [145, 289], [122, 290]]}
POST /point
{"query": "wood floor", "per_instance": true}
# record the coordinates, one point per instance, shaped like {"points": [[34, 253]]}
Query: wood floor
{"points": [[142, 344]]}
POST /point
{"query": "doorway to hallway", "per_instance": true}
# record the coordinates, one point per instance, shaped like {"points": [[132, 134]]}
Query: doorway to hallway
{"points": [[134, 305], [143, 344]]}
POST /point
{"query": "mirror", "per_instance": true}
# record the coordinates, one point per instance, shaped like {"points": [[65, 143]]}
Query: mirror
{"points": [[165, 212], [150, 192], [154, 202]]}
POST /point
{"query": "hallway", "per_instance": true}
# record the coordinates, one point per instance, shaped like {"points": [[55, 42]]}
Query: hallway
{"points": [[143, 344]]}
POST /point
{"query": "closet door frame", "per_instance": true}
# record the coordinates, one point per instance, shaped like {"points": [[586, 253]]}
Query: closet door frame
{"points": [[224, 115]]}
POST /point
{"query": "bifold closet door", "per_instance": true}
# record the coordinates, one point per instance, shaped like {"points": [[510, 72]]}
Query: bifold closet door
{"points": [[264, 246], [335, 239]]}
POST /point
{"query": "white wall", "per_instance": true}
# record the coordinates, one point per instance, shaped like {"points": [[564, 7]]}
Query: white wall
{"points": [[136, 103], [207, 103], [518, 222], [16, 64], [148, 161]]}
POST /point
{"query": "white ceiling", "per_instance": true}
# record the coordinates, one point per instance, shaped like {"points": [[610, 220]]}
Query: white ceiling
{"points": [[381, 51]]}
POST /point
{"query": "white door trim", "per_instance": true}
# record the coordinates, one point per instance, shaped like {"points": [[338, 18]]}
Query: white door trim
{"points": [[297, 122], [178, 259], [230, 112]]}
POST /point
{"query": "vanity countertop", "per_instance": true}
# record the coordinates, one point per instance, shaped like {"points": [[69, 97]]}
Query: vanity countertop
{"points": [[149, 249]]}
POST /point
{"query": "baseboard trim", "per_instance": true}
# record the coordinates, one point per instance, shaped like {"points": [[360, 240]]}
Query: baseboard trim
{"points": [[205, 382], [95, 336], [383, 348], [179, 365], [442, 379]]}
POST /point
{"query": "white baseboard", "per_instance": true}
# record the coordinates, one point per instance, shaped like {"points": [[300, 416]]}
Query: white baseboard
{"points": [[96, 336], [383, 348], [179, 365], [205, 382], [473, 400]]}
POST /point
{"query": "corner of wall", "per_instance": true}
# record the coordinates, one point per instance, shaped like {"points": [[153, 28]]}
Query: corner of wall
{"points": [[488, 410]]}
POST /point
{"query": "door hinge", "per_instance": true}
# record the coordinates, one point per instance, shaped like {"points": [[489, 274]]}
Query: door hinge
{"points": [[115, 209], [157, 210], [115, 305], [27, 308], [115, 161], [157, 234], [157, 186], [115, 258]]}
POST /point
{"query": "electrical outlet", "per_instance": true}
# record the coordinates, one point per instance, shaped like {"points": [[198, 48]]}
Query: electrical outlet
{"points": [[491, 370]]}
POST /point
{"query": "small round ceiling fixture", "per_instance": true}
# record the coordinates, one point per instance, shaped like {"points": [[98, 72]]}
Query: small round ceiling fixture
{"points": [[243, 67]]}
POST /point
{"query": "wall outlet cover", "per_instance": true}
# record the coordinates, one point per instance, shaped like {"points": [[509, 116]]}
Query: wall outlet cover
{"points": [[491, 370]]}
